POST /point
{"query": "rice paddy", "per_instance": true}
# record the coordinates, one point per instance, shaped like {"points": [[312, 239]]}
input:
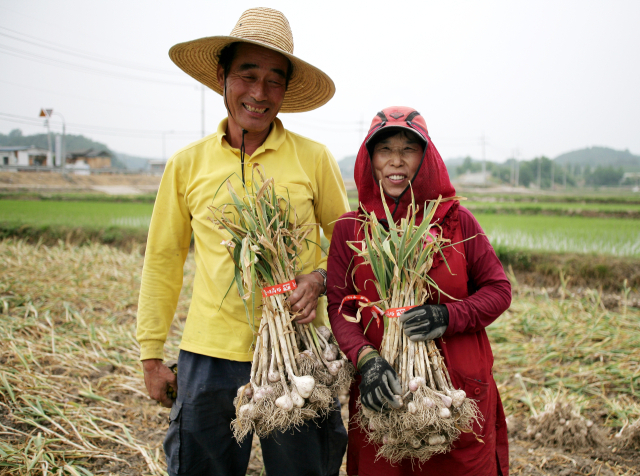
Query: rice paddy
{"points": [[603, 236], [76, 214], [73, 402]]}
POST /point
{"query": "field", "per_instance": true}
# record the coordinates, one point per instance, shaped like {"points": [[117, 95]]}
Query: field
{"points": [[72, 397], [560, 234], [92, 214]]}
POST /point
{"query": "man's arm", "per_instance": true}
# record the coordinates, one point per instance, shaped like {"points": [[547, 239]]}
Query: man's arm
{"points": [[167, 248], [330, 203]]}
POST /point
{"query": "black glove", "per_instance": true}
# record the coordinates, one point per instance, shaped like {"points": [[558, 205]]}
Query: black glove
{"points": [[379, 383], [426, 322]]}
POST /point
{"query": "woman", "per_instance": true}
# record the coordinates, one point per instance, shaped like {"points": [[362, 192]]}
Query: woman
{"points": [[399, 155]]}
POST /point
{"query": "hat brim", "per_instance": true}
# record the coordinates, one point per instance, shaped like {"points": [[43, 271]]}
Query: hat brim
{"points": [[309, 87]]}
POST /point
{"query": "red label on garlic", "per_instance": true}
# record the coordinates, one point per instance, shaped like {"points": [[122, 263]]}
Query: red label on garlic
{"points": [[397, 311], [279, 288], [361, 298]]}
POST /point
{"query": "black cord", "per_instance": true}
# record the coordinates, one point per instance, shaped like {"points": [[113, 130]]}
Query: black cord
{"points": [[244, 131]]}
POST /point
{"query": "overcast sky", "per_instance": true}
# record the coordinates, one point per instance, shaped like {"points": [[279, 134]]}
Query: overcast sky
{"points": [[534, 77]]}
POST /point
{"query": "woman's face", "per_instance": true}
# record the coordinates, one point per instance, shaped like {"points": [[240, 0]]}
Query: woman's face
{"points": [[396, 160]]}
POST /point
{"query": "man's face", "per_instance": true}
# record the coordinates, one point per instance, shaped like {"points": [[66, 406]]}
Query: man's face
{"points": [[395, 161], [255, 86]]}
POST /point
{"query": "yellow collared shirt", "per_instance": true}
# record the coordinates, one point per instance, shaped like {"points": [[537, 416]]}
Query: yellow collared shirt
{"points": [[218, 326]]}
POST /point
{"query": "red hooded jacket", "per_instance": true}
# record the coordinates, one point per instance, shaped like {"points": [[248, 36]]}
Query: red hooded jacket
{"points": [[476, 279]]}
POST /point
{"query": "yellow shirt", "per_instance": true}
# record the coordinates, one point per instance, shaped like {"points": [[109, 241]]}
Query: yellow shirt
{"points": [[217, 326]]}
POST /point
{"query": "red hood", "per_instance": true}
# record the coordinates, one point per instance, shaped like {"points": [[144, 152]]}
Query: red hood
{"points": [[431, 179]]}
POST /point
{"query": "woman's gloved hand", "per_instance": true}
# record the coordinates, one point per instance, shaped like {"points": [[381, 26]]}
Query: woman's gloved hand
{"points": [[426, 322], [379, 383]]}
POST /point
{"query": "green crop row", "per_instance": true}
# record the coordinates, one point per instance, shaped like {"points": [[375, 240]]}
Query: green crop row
{"points": [[546, 233], [76, 214], [558, 234]]}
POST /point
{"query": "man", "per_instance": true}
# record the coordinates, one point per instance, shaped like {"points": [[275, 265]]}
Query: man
{"points": [[255, 71]]}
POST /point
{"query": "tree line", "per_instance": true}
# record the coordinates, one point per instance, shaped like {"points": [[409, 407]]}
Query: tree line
{"points": [[542, 172]]}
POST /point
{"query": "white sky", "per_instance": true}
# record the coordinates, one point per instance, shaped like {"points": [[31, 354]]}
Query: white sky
{"points": [[541, 77]]}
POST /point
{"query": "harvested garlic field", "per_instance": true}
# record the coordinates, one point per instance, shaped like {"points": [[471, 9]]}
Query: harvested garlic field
{"points": [[73, 402]]}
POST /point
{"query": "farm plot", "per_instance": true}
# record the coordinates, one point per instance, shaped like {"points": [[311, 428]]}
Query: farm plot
{"points": [[72, 398], [555, 208], [92, 214], [603, 236]]}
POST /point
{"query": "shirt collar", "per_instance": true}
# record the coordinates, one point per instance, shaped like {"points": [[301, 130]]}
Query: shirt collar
{"points": [[274, 140]]}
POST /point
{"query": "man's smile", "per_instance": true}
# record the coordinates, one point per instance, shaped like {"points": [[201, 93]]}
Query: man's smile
{"points": [[255, 109]]}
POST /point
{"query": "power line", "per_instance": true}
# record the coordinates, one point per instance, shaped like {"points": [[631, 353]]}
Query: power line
{"points": [[86, 69], [142, 133], [93, 99], [81, 54]]}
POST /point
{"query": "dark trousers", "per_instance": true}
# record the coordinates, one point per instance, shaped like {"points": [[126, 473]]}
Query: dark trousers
{"points": [[200, 442]]}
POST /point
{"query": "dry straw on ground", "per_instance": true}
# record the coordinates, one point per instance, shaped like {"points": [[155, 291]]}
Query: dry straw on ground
{"points": [[72, 398], [71, 373]]}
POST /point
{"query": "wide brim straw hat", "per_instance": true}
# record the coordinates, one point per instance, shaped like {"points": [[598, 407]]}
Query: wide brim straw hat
{"points": [[309, 88]]}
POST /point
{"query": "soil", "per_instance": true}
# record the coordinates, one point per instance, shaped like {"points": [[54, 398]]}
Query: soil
{"points": [[58, 182]]}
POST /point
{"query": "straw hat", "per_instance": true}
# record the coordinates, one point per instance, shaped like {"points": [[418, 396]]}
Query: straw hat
{"points": [[309, 88]]}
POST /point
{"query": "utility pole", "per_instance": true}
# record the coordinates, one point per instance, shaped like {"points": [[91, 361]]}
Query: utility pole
{"points": [[539, 173], [164, 144], [47, 113], [512, 174], [512, 171], [553, 185], [484, 159], [564, 179], [517, 155]]}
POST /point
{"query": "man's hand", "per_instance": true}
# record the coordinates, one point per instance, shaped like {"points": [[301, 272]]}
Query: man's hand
{"points": [[158, 378], [379, 382], [426, 322], [304, 299]]}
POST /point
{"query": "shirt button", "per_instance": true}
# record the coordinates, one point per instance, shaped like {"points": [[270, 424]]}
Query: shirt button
{"points": [[477, 391], [248, 183]]}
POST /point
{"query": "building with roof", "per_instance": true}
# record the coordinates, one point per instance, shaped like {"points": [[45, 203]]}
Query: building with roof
{"points": [[25, 156], [95, 159]]}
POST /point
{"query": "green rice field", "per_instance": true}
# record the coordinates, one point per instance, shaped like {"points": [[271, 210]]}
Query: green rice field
{"points": [[529, 207], [526, 231], [76, 214], [605, 236]]}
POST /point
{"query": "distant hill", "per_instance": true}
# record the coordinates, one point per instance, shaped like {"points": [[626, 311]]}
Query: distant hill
{"points": [[73, 143], [346, 167], [453, 164], [132, 162], [603, 156]]}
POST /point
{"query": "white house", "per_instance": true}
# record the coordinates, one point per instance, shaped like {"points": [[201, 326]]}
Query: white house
{"points": [[24, 155]]}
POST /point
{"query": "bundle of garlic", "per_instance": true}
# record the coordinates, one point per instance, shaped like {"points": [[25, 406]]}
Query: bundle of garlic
{"points": [[297, 370], [432, 412]]}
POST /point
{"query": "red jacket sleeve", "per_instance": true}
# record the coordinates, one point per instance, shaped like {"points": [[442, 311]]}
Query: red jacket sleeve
{"points": [[489, 288], [350, 335]]}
